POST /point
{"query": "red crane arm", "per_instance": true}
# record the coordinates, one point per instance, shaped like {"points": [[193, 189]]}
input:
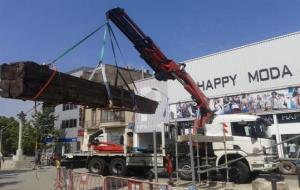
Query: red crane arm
{"points": [[164, 68]]}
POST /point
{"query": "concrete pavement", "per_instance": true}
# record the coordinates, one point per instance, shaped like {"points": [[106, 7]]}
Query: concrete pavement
{"points": [[28, 179], [24, 178]]}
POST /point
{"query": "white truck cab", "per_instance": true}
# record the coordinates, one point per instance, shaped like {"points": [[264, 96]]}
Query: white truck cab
{"points": [[250, 138]]}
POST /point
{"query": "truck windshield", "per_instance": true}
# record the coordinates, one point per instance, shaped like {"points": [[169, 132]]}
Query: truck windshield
{"points": [[250, 129]]}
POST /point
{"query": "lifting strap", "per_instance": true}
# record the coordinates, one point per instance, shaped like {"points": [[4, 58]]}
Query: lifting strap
{"points": [[59, 57], [101, 53], [77, 44], [110, 99], [101, 67], [44, 87]]}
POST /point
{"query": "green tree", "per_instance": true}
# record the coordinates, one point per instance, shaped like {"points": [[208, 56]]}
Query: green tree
{"points": [[28, 143], [10, 135], [35, 131], [43, 124]]}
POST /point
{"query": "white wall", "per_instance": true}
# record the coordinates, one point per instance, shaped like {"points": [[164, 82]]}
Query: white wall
{"points": [[149, 122], [235, 65]]}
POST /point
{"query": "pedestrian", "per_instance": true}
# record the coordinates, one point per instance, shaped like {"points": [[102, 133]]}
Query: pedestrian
{"points": [[169, 167], [292, 149]]}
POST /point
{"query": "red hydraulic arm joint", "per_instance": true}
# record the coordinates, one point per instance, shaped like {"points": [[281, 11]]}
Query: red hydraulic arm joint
{"points": [[165, 69]]}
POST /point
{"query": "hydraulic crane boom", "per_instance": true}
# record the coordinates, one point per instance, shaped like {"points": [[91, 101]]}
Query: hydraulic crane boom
{"points": [[164, 68]]}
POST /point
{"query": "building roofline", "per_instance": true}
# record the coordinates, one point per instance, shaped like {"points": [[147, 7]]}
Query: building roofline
{"points": [[82, 68], [245, 46]]}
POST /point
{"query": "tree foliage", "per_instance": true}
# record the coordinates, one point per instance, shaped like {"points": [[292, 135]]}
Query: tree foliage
{"points": [[10, 135], [43, 124], [35, 131]]}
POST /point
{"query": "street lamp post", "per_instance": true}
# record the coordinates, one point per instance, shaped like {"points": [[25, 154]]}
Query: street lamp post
{"points": [[154, 131], [19, 153]]}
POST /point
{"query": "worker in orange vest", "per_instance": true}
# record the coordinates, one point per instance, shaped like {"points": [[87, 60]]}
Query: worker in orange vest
{"points": [[169, 166]]}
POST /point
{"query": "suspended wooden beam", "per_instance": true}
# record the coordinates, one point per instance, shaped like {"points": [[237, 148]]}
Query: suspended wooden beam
{"points": [[24, 80]]}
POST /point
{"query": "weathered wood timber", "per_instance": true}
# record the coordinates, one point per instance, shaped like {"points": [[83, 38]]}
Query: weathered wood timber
{"points": [[23, 80]]}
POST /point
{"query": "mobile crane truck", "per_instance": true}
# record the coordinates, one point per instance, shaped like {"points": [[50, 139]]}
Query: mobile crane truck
{"points": [[251, 138]]}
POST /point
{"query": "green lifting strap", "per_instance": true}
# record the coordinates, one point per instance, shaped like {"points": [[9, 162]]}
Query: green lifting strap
{"points": [[103, 45], [77, 44], [101, 53]]}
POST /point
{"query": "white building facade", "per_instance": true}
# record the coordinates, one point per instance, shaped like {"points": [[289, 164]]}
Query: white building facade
{"points": [[261, 78], [145, 124], [67, 122]]}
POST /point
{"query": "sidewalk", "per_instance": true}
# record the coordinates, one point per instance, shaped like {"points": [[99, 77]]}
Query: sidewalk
{"points": [[7, 165]]}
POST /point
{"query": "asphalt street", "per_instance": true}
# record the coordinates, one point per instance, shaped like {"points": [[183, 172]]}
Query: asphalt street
{"points": [[28, 179]]}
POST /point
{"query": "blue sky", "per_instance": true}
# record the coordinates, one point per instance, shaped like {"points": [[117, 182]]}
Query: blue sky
{"points": [[40, 30]]}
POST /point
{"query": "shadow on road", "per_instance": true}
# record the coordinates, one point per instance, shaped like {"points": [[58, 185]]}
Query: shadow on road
{"points": [[9, 177], [10, 174], [8, 183], [269, 176], [6, 172]]}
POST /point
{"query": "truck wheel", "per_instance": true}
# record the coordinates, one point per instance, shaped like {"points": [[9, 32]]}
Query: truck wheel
{"points": [[287, 167], [238, 172], [117, 167], [97, 166], [185, 175]]}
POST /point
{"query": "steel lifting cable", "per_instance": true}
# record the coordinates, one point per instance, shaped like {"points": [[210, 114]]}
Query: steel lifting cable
{"points": [[31, 109], [115, 59], [112, 38], [122, 55]]}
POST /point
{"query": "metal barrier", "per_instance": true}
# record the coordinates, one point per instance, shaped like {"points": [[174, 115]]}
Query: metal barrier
{"points": [[59, 181], [120, 183], [67, 179], [87, 181]]}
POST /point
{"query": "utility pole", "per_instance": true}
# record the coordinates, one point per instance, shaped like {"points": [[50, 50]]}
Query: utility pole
{"points": [[19, 153], [155, 156]]}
